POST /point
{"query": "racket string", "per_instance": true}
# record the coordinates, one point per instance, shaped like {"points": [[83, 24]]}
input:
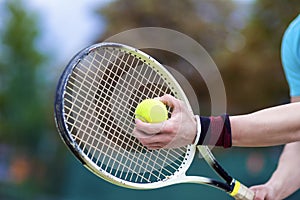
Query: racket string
{"points": [[116, 112], [135, 168], [88, 92], [89, 110]]}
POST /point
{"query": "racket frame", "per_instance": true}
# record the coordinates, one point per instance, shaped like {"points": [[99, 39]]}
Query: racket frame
{"points": [[179, 176], [76, 150]]}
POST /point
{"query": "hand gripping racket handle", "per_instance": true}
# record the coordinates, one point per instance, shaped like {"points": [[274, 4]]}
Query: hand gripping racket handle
{"points": [[241, 192]]}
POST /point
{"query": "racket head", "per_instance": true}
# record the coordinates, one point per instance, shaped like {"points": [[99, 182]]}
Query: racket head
{"points": [[94, 113]]}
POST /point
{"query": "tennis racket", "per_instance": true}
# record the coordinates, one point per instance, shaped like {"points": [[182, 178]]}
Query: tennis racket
{"points": [[94, 111]]}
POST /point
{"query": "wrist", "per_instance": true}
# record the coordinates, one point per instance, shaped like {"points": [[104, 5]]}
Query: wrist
{"points": [[274, 189], [215, 131]]}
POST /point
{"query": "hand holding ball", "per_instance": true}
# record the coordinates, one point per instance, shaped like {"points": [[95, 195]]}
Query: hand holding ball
{"points": [[151, 111]]}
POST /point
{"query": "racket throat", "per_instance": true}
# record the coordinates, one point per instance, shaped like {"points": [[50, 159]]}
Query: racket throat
{"points": [[205, 181], [222, 173]]}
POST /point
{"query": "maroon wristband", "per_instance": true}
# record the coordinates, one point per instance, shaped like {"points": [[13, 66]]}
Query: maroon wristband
{"points": [[215, 131]]}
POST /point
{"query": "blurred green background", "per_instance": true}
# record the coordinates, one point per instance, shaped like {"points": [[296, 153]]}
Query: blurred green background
{"points": [[242, 37]]}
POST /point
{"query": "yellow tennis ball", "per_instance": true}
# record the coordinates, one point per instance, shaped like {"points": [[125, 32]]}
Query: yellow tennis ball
{"points": [[151, 111]]}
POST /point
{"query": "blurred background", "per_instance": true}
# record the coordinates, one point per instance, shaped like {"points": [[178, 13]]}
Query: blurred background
{"points": [[38, 38]]}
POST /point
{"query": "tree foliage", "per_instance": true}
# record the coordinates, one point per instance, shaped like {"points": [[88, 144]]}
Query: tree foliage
{"points": [[243, 39], [21, 106], [254, 75], [26, 148], [204, 21]]}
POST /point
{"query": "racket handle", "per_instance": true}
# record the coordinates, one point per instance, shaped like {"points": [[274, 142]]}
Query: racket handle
{"points": [[242, 192]]}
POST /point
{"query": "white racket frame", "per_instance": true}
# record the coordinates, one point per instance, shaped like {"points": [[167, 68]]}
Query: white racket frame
{"points": [[180, 175]]}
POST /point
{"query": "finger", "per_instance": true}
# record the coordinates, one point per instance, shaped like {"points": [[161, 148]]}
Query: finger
{"points": [[172, 102], [154, 146], [259, 195], [152, 140], [259, 191], [149, 128], [140, 134], [143, 138], [169, 100]]}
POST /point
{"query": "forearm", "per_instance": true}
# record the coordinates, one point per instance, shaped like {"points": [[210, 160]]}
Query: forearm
{"points": [[285, 180], [272, 126], [285, 172]]}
